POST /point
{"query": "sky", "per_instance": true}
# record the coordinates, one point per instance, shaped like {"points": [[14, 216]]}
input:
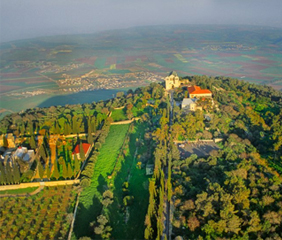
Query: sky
{"points": [[21, 19]]}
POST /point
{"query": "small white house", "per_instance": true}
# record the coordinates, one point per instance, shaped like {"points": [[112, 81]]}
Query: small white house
{"points": [[28, 156], [189, 104], [20, 152], [24, 154]]}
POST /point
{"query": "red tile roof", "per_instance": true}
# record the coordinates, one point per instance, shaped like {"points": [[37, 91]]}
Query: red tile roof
{"points": [[85, 146], [198, 90]]}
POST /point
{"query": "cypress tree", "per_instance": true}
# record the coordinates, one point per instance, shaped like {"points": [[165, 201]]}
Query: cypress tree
{"points": [[70, 172], [32, 142], [57, 128], [9, 174], [81, 152], [22, 129], [76, 164], [48, 172], [90, 137], [40, 170], [94, 124], [67, 129], [75, 128], [65, 170], [56, 172], [3, 178], [16, 173], [5, 142], [169, 186], [42, 152], [30, 126]]}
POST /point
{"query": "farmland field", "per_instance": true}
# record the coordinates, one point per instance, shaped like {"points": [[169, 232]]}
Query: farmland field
{"points": [[27, 66], [45, 215], [117, 159]]}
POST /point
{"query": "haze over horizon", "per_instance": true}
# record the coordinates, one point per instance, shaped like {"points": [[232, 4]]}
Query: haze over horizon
{"points": [[33, 18]]}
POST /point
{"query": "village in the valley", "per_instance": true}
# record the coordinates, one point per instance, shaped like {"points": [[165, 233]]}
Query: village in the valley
{"points": [[92, 80]]}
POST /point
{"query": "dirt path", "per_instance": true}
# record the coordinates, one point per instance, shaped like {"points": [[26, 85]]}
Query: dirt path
{"points": [[125, 121], [23, 194]]}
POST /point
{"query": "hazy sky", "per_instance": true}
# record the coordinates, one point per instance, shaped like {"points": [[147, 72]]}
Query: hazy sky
{"points": [[31, 18]]}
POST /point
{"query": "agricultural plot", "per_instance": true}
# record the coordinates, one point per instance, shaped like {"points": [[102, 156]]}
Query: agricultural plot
{"points": [[111, 61], [46, 215], [100, 63], [180, 57]]}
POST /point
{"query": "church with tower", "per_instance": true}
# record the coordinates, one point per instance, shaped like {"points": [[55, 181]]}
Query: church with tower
{"points": [[172, 81], [194, 92]]}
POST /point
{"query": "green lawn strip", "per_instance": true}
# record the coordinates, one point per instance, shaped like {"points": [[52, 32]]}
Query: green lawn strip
{"points": [[138, 187], [90, 206], [134, 228], [118, 115], [18, 191]]}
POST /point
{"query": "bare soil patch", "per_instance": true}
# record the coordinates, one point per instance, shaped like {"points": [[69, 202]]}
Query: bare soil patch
{"points": [[111, 60], [89, 61]]}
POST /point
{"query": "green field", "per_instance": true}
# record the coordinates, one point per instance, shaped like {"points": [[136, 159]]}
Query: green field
{"points": [[138, 188], [118, 115], [18, 191], [122, 168], [89, 204]]}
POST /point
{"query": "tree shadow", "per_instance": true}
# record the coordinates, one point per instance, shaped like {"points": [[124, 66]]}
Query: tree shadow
{"points": [[87, 215], [84, 217], [121, 229], [102, 184], [116, 211]]}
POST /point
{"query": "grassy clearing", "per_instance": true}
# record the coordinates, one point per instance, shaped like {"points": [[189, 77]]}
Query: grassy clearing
{"points": [[118, 115], [138, 188], [18, 191], [90, 206]]}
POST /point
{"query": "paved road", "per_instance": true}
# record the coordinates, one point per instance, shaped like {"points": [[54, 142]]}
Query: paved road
{"points": [[167, 203]]}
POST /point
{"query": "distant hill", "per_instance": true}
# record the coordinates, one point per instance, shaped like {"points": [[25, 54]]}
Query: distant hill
{"points": [[34, 70]]}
